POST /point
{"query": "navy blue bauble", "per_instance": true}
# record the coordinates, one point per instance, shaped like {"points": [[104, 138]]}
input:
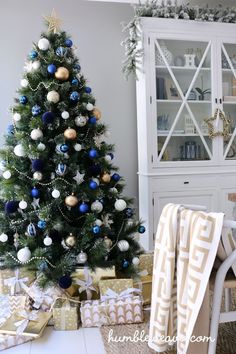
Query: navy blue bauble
{"points": [[77, 67], [61, 51], [129, 212], [23, 99], [48, 117], [94, 170], [65, 282], [88, 89], [93, 185], [74, 82], [42, 224], [11, 206], [64, 148], [96, 229], [93, 153], [10, 129], [37, 165], [115, 177], [33, 54], [74, 96], [31, 230], [61, 169], [83, 208], [125, 263], [51, 68], [55, 236], [35, 192], [141, 229], [92, 120], [68, 42], [36, 110]]}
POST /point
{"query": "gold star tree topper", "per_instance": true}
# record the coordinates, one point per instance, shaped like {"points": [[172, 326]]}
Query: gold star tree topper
{"points": [[53, 22]]}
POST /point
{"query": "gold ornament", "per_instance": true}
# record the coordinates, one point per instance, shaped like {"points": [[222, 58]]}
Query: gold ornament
{"points": [[70, 134], [107, 242], [70, 240], [53, 22], [62, 73], [71, 200], [226, 125], [106, 177], [97, 113]]}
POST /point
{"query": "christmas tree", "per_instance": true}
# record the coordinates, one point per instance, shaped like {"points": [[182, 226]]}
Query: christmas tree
{"points": [[61, 202]]}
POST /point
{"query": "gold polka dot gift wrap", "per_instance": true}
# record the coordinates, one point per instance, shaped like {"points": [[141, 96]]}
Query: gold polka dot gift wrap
{"points": [[117, 285], [66, 314]]}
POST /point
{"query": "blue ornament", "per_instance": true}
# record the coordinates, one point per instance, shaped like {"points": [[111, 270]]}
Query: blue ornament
{"points": [[65, 282], [141, 229], [37, 165], [31, 230], [61, 51], [129, 212], [11, 206], [42, 224], [35, 192], [64, 148], [74, 96], [93, 185], [93, 153], [75, 82], [36, 110], [23, 99], [88, 89], [48, 117], [43, 266], [33, 54], [68, 42], [51, 68], [10, 129], [83, 208], [115, 177], [92, 120], [125, 263], [96, 229], [61, 169], [77, 67]]}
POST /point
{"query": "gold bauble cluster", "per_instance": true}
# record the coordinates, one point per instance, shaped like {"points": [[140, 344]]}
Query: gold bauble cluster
{"points": [[97, 113], [105, 178], [70, 134], [62, 73], [71, 200]]}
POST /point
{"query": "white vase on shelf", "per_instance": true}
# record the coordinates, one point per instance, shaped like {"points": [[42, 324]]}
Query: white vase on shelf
{"points": [[167, 54]]}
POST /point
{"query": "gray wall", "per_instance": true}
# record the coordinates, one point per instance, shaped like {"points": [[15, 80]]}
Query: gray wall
{"points": [[96, 30]]}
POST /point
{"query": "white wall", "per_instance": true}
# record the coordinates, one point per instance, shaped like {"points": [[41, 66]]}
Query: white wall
{"points": [[96, 30]]}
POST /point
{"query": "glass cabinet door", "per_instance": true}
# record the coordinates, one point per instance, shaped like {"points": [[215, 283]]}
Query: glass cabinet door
{"points": [[183, 81], [228, 75]]}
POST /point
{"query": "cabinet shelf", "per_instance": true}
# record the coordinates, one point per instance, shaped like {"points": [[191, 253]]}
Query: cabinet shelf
{"points": [[179, 68], [179, 134], [180, 101]]}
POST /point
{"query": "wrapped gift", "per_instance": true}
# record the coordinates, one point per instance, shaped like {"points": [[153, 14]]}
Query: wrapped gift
{"points": [[26, 323], [66, 314], [8, 341], [117, 285], [146, 263], [87, 281], [96, 313], [19, 302], [15, 281], [144, 283]]}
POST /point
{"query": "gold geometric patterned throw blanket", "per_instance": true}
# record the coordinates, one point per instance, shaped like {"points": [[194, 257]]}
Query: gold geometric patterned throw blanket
{"points": [[185, 249]]}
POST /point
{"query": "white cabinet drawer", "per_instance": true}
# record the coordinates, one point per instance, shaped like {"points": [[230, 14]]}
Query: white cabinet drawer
{"points": [[176, 183]]}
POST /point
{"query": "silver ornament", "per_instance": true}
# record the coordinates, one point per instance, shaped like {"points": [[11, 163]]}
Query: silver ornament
{"points": [[38, 176], [123, 245], [82, 257], [41, 147], [80, 121], [120, 204], [135, 261], [97, 206]]}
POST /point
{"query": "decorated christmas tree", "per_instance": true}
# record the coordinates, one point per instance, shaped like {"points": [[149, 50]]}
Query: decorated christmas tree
{"points": [[61, 202]]}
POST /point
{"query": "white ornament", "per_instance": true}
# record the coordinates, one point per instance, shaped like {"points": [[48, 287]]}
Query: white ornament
{"points": [[36, 65], [123, 245], [24, 83], [36, 134], [98, 222], [43, 44], [108, 158], [41, 147], [38, 176], [78, 147], [129, 222], [28, 67], [47, 241], [6, 174], [89, 106], [120, 204], [96, 180], [3, 237], [65, 115], [24, 254], [53, 96], [97, 206], [56, 193], [23, 204], [107, 134], [19, 150], [80, 121], [135, 261], [16, 117], [82, 257], [113, 190]]}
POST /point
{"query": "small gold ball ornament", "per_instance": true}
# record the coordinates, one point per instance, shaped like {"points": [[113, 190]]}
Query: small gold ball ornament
{"points": [[70, 240], [70, 134], [106, 177], [107, 242], [62, 73], [97, 113], [71, 200]]}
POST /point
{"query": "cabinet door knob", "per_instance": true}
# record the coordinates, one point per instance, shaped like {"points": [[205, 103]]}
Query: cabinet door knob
{"points": [[186, 182]]}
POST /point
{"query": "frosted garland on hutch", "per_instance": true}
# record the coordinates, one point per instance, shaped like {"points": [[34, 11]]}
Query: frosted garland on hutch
{"points": [[189, 70]]}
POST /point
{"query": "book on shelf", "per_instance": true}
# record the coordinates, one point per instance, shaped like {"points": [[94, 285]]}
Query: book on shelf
{"points": [[160, 87]]}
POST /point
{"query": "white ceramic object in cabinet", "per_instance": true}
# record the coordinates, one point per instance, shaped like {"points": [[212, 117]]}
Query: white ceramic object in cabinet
{"points": [[178, 162]]}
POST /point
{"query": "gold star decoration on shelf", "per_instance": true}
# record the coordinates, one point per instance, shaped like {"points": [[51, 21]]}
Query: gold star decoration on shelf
{"points": [[53, 22], [219, 115]]}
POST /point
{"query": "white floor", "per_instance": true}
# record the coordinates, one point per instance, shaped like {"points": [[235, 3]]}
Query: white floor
{"points": [[83, 341]]}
